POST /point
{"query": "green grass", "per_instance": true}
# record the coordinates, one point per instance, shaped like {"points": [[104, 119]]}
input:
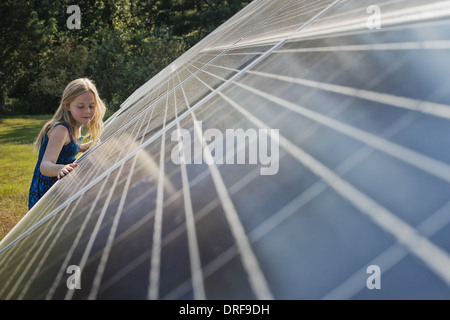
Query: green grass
{"points": [[17, 162]]}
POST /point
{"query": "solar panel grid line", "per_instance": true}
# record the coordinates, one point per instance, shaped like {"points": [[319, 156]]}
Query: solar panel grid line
{"points": [[75, 243], [247, 31], [307, 23], [44, 257], [213, 46], [421, 161], [232, 54], [205, 99], [30, 259], [318, 15], [153, 290], [249, 12], [119, 238], [13, 276], [152, 101], [224, 257], [315, 189], [319, 186], [434, 257], [356, 19], [124, 109], [129, 138], [337, 89], [187, 55], [25, 264], [142, 118], [132, 265], [123, 235], [269, 75], [245, 41], [195, 263], [124, 126], [260, 288], [358, 280], [148, 88], [90, 171], [107, 248], [256, 276], [426, 107], [422, 45], [148, 94], [391, 256], [152, 96], [37, 221], [61, 191], [387, 134], [274, 19], [3, 261], [294, 11], [351, 286], [16, 275], [146, 99], [10, 255], [204, 83], [289, 29], [7, 257], [201, 176], [27, 232], [375, 80], [92, 238]]}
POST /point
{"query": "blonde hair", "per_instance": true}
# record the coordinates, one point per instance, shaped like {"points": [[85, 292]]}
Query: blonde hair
{"points": [[62, 114]]}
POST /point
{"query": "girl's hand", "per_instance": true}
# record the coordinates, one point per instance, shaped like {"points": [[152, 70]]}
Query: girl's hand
{"points": [[66, 170]]}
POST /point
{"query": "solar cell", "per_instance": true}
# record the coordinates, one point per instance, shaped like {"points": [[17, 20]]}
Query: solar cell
{"points": [[352, 119]]}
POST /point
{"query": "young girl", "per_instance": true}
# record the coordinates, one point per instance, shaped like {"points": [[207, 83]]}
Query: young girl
{"points": [[60, 138]]}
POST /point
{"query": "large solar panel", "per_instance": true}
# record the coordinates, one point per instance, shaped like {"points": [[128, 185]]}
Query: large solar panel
{"points": [[300, 151]]}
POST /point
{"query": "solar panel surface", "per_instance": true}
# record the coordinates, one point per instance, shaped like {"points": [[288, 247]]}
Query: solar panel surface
{"points": [[361, 174]]}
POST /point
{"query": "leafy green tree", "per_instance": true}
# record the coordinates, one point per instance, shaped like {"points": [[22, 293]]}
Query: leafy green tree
{"points": [[121, 44], [21, 37]]}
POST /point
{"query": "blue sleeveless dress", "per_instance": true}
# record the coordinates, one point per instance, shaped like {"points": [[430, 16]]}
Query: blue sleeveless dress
{"points": [[40, 184]]}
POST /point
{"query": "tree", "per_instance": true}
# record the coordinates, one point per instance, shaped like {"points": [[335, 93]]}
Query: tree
{"points": [[21, 37], [121, 45]]}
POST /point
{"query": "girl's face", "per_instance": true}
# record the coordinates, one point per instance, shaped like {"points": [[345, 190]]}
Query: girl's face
{"points": [[83, 108]]}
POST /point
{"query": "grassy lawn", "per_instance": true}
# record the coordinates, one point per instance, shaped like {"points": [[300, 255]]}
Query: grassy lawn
{"points": [[17, 161]]}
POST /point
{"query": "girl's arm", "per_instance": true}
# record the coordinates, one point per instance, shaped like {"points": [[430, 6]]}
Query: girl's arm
{"points": [[85, 146], [57, 137]]}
